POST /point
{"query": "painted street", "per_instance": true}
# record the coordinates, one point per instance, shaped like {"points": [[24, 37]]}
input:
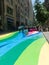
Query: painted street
{"points": [[19, 49]]}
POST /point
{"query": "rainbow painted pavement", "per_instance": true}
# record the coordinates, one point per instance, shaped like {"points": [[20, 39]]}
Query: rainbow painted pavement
{"points": [[18, 50]]}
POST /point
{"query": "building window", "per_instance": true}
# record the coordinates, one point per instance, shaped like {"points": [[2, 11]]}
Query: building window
{"points": [[10, 25], [0, 22], [7, 0], [18, 1], [10, 2], [26, 21], [18, 13], [9, 10], [1, 27], [0, 8], [0, 12]]}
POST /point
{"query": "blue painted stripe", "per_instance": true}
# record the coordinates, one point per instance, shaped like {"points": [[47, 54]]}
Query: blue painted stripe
{"points": [[12, 43]]}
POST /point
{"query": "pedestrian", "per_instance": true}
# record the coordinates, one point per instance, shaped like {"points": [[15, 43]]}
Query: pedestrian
{"points": [[21, 29], [46, 29]]}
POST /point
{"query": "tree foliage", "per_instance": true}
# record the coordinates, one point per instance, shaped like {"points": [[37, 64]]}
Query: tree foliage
{"points": [[41, 12]]}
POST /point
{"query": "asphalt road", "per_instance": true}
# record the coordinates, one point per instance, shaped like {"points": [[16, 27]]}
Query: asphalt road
{"points": [[46, 34]]}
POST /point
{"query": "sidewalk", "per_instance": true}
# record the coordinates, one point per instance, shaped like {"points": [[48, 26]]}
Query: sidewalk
{"points": [[46, 34]]}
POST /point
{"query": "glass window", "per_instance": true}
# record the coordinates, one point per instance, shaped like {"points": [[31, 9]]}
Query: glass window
{"points": [[9, 10], [7, 0], [0, 8], [18, 1], [11, 2], [10, 25]]}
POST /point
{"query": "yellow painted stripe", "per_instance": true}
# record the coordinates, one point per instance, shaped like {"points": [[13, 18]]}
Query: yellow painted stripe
{"points": [[44, 55], [7, 35]]}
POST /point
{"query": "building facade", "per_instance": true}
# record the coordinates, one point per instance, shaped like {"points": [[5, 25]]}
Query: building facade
{"points": [[13, 13], [1, 14], [31, 14]]}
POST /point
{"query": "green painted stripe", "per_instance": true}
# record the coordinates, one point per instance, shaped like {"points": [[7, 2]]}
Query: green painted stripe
{"points": [[10, 57], [30, 55]]}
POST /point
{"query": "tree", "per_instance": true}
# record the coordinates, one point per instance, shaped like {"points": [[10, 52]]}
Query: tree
{"points": [[41, 12]]}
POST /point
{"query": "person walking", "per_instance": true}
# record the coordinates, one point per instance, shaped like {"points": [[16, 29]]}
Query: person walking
{"points": [[21, 29]]}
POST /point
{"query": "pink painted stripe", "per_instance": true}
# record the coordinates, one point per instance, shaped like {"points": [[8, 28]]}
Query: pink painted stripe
{"points": [[33, 32]]}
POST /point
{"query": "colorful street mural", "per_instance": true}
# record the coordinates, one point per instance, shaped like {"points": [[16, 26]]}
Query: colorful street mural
{"points": [[17, 49]]}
